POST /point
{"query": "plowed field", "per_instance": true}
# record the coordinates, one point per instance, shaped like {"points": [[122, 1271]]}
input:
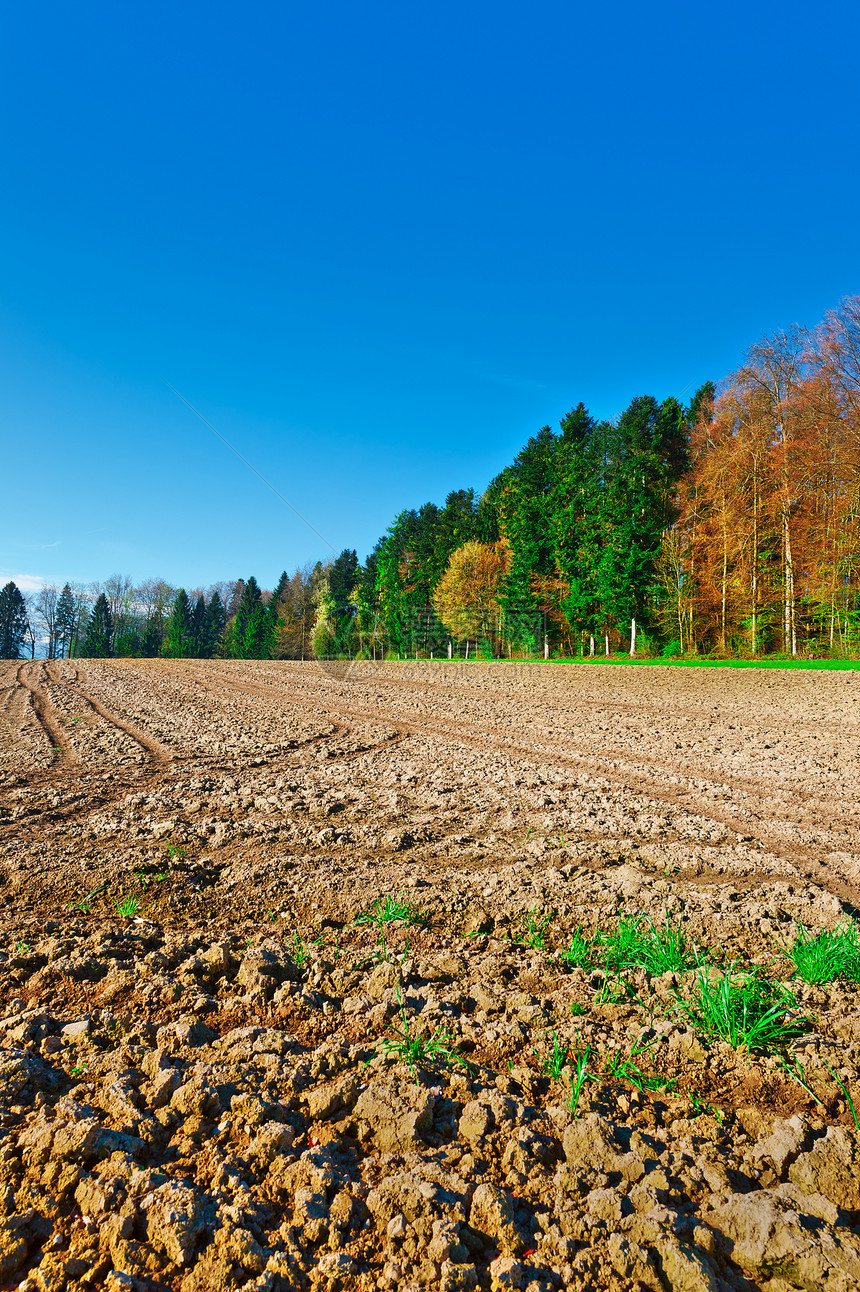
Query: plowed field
{"points": [[316, 976]]}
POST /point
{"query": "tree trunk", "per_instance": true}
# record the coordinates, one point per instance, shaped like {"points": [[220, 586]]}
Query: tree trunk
{"points": [[724, 585], [754, 587], [789, 620], [632, 637]]}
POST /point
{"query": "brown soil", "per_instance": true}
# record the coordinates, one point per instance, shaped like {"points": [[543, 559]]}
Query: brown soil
{"points": [[251, 811]]}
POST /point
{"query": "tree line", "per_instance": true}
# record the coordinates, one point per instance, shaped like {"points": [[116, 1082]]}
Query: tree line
{"points": [[117, 618], [729, 525], [726, 526]]}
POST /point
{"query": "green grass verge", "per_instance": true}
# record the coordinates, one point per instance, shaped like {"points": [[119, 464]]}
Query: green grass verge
{"points": [[826, 664]]}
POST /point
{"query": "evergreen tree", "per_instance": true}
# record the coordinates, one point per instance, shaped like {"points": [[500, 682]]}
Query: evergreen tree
{"points": [[180, 642], [14, 623], [65, 621], [214, 625], [198, 627], [249, 625], [273, 614], [647, 454], [99, 639], [523, 494], [456, 524], [342, 578], [151, 639], [702, 403], [577, 515]]}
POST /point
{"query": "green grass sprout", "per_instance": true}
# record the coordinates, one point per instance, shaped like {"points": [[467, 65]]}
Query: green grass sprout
{"points": [[409, 1047], [391, 910], [579, 1074], [841, 1084], [580, 952], [828, 955], [554, 1063], [795, 1069], [537, 923], [637, 944], [742, 1009]]}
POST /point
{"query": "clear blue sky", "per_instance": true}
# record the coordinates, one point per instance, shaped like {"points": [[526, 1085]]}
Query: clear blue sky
{"points": [[378, 245]]}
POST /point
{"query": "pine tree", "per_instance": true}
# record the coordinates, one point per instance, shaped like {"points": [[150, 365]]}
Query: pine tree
{"points": [[65, 620], [273, 614], [702, 403], [215, 624], [198, 627], [249, 625], [13, 621], [523, 494], [151, 639], [179, 639], [576, 517], [99, 639]]}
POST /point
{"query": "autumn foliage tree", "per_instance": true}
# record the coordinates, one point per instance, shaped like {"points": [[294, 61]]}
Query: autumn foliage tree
{"points": [[466, 598]]}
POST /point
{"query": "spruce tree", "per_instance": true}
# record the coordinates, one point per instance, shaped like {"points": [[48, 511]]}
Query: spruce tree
{"points": [[151, 639], [576, 516], [342, 578], [65, 620], [273, 614], [702, 403], [198, 627], [99, 639], [179, 641], [214, 625], [523, 494], [249, 625], [647, 453], [14, 623]]}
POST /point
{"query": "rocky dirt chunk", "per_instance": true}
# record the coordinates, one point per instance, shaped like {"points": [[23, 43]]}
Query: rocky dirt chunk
{"points": [[334, 1099], [18, 1069], [768, 1239], [831, 1168], [684, 1269], [394, 1114], [15, 1241], [174, 1217], [492, 1214], [777, 1151], [264, 968], [594, 1142], [384, 978]]}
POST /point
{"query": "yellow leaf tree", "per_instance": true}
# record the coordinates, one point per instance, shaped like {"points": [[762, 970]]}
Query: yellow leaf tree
{"points": [[466, 596]]}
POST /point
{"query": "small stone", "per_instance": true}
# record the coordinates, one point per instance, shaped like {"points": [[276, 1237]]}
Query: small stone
{"points": [[507, 1272], [79, 1028], [335, 1263], [397, 1226]]}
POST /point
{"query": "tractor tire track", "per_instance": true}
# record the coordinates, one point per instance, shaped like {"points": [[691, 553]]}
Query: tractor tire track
{"points": [[45, 713], [804, 859], [155, 751]]}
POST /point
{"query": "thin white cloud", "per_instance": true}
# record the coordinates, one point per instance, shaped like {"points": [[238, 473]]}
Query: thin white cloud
{"points": [[26, 582], [43, 547]]}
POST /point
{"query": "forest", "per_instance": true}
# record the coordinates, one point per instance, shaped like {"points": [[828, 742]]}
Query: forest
{"points": [[725, 527]]}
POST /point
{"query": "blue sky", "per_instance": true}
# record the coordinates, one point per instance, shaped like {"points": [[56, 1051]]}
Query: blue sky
{"points": [[378, 246]]}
